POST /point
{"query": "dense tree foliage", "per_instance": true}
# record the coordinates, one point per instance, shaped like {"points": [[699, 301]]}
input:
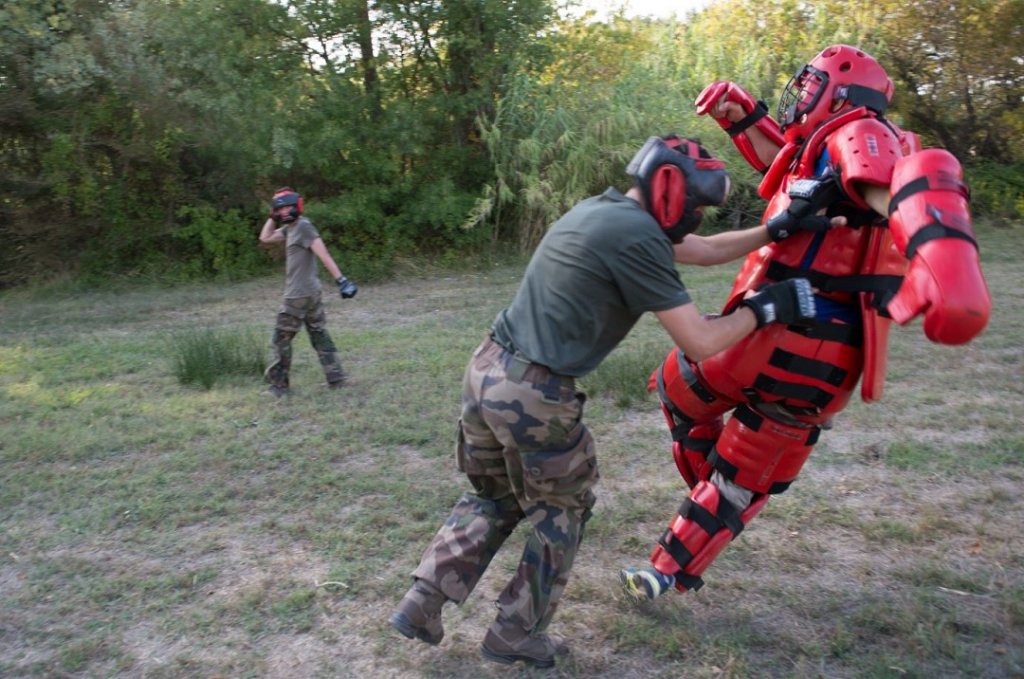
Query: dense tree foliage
{"points": [[144, 136]]}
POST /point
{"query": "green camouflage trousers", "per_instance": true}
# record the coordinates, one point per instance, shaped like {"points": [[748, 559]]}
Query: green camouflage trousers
{"points": [[290, 319], [527, 454]]}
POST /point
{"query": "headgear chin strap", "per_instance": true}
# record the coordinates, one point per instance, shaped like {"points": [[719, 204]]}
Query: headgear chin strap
{"points": [[284, 197], [678, 177]]}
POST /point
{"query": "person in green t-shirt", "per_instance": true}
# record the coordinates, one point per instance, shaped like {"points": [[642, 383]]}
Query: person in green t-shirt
{"points": [[521, 440], [302, 304]]}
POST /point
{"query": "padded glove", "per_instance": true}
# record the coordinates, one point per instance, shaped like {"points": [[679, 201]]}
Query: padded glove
{"points": [[347, 288], [807, 198], [790, 301]]}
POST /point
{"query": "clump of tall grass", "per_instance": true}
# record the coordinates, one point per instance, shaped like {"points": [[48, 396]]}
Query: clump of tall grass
{"points": [[203, 356]]}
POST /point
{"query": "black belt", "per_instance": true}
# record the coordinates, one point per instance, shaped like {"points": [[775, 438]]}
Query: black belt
{"points": [[519, 367]]}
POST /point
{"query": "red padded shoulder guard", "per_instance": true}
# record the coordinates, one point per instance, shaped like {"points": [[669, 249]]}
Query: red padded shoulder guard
{"points": [[931, 225], [865, 150]]}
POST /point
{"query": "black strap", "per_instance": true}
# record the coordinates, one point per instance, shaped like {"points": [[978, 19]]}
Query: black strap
{"points": [[877, 283], [691, 379], [698, 444], [792, 390], [858, 95], [932, 232], [808, 367], [843, 333], [680, 430], [690, 582], [740, 126], [676, 549], [927, 183], [729, 471], [746, 416], [729, 516]]}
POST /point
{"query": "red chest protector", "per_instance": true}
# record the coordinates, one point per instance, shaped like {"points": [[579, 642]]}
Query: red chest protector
{"points": [[860, 267]]}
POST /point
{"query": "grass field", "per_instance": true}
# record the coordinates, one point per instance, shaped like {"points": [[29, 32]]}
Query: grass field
{"points": [[151, 529]]}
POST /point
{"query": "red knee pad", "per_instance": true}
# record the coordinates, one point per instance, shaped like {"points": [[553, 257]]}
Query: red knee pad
{"points": [[762, 454], [705, 524]]}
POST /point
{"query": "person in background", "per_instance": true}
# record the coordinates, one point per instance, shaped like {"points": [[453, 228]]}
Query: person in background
{"points": [[302, 304]]}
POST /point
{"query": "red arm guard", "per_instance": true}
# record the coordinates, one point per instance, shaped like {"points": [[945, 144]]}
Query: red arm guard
{"points": [[865, 150], [931, 225], [756, 116]]}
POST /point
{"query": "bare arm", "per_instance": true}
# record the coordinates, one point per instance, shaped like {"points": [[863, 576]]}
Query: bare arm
{"points": [[701, 338], [719, 248], [875, 196], [270, 234], [320, 250]]}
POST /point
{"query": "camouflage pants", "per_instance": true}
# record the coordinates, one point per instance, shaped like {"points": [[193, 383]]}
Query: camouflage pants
{"points": [[527, 454], [293, 314]]}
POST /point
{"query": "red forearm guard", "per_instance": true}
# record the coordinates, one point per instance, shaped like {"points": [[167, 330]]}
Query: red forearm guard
{"points": [[756, 116], [705, 524], [931, 225]]}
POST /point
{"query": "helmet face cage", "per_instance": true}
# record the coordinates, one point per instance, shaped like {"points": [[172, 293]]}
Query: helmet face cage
{"points": [[677, 178], [801, 95]]}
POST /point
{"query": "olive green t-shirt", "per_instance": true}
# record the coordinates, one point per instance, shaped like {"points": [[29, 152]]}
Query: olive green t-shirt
{"points": [[300, 266], [597, 270]]}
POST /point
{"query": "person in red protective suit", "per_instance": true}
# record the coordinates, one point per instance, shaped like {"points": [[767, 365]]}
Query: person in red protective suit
{"points": [[907, 249]]}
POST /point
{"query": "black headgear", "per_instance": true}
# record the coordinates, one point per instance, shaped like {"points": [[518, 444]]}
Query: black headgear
{"points": [[284, 197], [678, 177]]}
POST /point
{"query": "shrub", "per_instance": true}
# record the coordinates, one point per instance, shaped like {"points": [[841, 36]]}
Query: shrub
{"points": [[204, 356]]}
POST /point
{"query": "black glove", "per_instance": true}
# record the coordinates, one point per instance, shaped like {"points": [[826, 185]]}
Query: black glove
{"points": [[790, 301], [347, 288], [808, 197]]}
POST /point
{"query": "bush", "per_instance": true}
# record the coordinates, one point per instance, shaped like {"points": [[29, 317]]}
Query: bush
{"points": [[997, 191], [202, 357], [224, 244]]}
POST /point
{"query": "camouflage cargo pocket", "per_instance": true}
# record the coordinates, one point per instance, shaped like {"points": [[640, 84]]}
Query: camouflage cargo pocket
{"points": [[561, 473]]}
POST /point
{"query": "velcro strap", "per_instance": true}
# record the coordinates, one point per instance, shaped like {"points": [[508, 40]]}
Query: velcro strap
{"points": [[698, 445], [691, 379], [932, 232], [858, 95], [690, 582], [843, 333], [808, 367], [927, 183], [729, 471], [800, 392], [680, 430], [676, 549], [748, 418], [708, 522], [729, 516], [740, 126], [877, 283]]}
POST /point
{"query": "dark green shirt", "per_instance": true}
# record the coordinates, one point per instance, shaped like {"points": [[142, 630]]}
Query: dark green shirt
{"points": [[598, 269], [300, 264]]}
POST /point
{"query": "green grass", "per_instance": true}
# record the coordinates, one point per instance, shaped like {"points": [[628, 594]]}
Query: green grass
{"points": [[160, 529], [205, 356]]}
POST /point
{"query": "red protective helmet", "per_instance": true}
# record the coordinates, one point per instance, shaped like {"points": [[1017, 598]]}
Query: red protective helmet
{"points": [[838, 79], [284, 197], [678, 177]]}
